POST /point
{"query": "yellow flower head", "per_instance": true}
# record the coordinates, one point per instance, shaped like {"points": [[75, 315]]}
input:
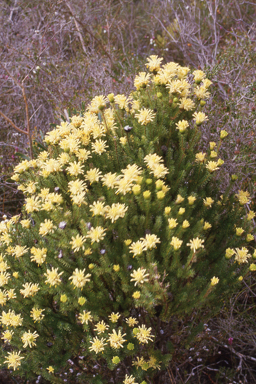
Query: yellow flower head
{"points": [[146, 195], [249, 237], [172, 223], [176, 243], [179, 199], [116, 211], [99, 146], [136, 189], [111, 97], [213, 154], [97, 345], [252, 267], [77, 243], [159, 185], [116, 340], [212, 145], [84, 317], [207, 226], [195, 244], [101, 327], [82, 300], [145, 116], [208, 201], [46, 227], [10, 318], [3, 266], [160, 195], [87, 252], [242, 255], [200, 157], [110, 180], [144, 334], [136, 295], [116, 267], [229, 253], [250, 215], [141, 80], [37, 314], [28, 339], [239, 231], [212, 166], [116, 360], [185, 224], [96, 234], [206, 83], [76, 186], [201, 93], [63, 298], [29, 289], [137, 248], [25, 223], [139, 276], [182, 125], [53, 277], [154, 63], [7, 335], [122, 101], [98, 103], [131, 321], [198, 75], [140, 362], [214, 281], [150, 241], [93, 175], [159, 171], [75, 168], [187, 104], [129, 380], [114, 317], [243, 197], [79, 279], [13, 360], [200, 117], [3, 297], [38, 255], [223, 134]]}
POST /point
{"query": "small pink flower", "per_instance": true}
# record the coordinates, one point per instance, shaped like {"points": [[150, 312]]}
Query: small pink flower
{"points": [[230, 340]]}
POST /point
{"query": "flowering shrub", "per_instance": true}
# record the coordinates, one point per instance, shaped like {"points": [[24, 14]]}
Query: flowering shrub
{"points": [[123, 233]]}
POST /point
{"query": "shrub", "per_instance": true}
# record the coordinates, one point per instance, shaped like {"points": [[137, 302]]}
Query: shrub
{"points": [[123, 234]]}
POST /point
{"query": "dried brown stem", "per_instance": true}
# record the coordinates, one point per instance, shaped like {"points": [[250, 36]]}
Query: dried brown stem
{"points": [[12, 123], [28, 132]]}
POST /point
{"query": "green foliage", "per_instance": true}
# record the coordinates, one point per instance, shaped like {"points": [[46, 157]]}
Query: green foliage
{"points": [[123, 233]]}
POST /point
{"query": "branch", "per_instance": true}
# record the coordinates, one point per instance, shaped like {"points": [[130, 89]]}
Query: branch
{"points": [[69, 5], [91, 34], [28, 133], [12, 124]]}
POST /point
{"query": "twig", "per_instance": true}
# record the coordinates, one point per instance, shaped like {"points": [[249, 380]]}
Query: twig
{"points": [[70, 7], [169, 375], [192, 372], [28, 133], [12, 123]]}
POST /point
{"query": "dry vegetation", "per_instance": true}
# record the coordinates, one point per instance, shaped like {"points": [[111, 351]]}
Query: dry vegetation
{"points": [[55, 56]]}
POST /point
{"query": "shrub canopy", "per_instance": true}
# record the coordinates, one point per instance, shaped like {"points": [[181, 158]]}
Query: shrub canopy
{"points": [[123, 233]]}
